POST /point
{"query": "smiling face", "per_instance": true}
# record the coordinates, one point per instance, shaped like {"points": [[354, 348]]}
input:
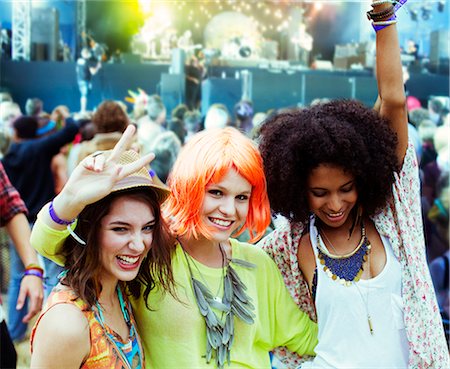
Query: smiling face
{"points": [[225, 206], [331, 194], [125, 236]]}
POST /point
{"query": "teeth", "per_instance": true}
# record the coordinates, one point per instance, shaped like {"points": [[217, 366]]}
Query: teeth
{"points": [[128, 259], [334, 215], [220, 222]]}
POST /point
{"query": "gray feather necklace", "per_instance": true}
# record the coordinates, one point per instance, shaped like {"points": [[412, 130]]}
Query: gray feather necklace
{"points": [[235, 302]]}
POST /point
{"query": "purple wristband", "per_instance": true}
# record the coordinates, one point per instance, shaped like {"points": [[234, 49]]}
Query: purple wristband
{"points": [[378, 27], [57, 219], [34, 272]]}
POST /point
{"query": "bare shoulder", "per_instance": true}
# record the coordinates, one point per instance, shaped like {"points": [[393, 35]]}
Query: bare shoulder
{"points": [[306, 258], [62, 337]]}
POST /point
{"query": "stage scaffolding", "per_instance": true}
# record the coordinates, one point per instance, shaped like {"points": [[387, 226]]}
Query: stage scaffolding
{"points": [[21, 30]]}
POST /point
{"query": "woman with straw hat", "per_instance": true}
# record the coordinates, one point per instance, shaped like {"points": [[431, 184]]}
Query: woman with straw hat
{"points": [[118, 236]]}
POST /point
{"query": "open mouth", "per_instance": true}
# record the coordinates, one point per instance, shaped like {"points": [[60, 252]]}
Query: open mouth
{"points": [[128, 261], [221, 222], [335, 215]]}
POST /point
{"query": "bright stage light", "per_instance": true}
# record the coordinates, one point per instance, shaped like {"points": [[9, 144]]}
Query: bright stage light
{"points": [[318, 6], [146, 6]]}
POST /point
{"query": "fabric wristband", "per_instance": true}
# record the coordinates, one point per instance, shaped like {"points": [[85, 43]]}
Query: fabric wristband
{"points": [[378, 26], [33, 272], [57, 219]]}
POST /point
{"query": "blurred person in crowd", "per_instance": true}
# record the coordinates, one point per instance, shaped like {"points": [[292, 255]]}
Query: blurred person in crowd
{"points": [[437, 110], [192, 123], [13, 216], [153, 124], [86, 67], [28, 165], [217, 116], [109, 122], [166, 148], [195, 73], [243, 112]]}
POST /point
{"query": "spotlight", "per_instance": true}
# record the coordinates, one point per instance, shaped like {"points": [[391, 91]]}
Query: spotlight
{"points": [[414, 15]]}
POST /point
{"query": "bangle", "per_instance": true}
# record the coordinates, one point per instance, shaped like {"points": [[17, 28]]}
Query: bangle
{"points": [[34, 272], [56, 218]]}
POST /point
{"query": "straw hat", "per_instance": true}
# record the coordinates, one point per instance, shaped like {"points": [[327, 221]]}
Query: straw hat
{"points": [[140, 178]]}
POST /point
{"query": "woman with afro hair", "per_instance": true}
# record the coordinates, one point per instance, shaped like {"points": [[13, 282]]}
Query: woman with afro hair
{"points": [[349, 242]]}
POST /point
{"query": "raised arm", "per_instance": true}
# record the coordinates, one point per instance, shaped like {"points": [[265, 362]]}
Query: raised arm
{"points": [[390, 80]]}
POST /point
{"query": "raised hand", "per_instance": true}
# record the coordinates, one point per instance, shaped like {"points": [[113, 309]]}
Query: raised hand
{"points": [[95, 176]]}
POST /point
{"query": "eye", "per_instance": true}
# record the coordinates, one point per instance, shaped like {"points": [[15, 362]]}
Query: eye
{"points": [[149, 227], [242, 197], [119, 229], [347, 188], [317, 193], [215, 192]]}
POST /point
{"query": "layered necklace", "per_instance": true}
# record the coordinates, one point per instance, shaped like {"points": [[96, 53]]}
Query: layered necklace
{"points": [[344, 268], [129, 352], [347, 269], [234, 302]]}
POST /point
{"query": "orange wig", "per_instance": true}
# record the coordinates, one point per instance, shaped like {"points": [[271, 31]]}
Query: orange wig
{"points": [[206, 159]]}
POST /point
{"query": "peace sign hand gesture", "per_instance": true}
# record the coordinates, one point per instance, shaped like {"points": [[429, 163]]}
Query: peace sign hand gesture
{"points": [[95, 176]]}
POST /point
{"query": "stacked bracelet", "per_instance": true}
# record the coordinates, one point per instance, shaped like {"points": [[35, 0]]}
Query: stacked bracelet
{"points": [[34, 267], [385, 17], [382, 15], [56, 218]]}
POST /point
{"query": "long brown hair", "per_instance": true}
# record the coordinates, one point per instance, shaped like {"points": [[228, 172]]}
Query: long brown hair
{"points": [[83, 263]]}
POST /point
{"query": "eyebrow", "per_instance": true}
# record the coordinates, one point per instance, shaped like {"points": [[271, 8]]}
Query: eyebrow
{"points": [[119, 222], [221, 188], [321, 188]]}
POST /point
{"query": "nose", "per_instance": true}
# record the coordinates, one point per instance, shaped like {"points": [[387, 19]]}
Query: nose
{"points": [[335, 203], [137, 242], [227, 206]]}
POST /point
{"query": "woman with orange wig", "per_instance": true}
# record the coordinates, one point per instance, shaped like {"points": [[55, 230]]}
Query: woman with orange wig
{"points": [[230, 304]]}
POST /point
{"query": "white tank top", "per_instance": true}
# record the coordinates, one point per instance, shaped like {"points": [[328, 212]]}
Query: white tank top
{"points": [[345, 340]]}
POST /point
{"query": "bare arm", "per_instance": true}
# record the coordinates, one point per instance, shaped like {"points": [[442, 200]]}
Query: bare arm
{"points": [[61, 340], [30, 286], [390, 84]]}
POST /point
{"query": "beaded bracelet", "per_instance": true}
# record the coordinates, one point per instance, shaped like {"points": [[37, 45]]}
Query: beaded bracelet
{"points": [[33, 272], [382, 15], [56, 218]]}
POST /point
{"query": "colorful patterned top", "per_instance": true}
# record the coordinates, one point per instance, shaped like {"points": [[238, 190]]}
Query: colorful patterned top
{"points": [[108, 350], [401, 222]]}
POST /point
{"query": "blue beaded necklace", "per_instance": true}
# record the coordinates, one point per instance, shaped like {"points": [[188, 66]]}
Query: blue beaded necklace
{"points": [[344, 268]]}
